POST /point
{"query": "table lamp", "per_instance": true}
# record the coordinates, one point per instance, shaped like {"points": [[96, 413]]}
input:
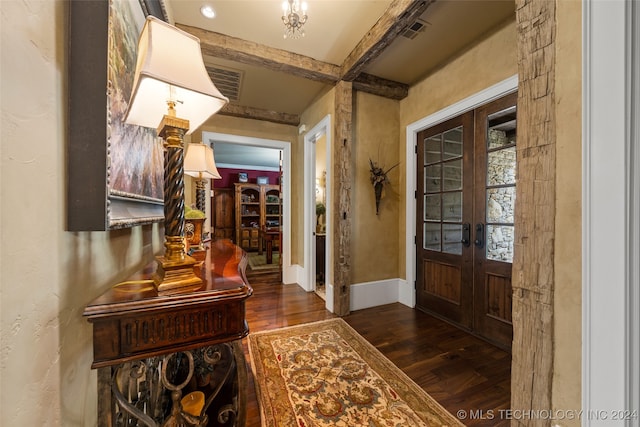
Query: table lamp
{"points": [[200, 163], [173, 93]]}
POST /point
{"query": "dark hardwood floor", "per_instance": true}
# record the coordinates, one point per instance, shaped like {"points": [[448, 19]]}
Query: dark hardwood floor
{"points": [[460, 371]]}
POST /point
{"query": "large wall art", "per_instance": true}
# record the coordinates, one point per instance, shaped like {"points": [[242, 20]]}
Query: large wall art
{"points": [[115, 170]]}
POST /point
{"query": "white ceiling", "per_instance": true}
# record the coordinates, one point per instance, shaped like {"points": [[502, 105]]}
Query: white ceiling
{"points": [[333, 30]]}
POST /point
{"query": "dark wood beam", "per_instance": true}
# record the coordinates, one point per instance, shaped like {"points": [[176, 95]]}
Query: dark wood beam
{"points": [[247, 52], [396, 18], [399, 15], [343, 174], [381, 87], [234, 110]]}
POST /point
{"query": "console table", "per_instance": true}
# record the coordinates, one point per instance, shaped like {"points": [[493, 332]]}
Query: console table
{"points": [[177, 359]]}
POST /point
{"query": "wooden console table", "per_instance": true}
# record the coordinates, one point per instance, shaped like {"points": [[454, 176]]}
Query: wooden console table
{"points": [[158, 357]]}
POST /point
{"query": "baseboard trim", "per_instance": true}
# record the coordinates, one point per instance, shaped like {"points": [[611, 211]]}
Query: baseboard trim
{"points": [[363, 295], [292, 274], [373, 294]]}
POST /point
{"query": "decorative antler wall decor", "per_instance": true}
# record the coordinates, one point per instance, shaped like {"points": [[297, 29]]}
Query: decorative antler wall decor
{"points": [[378, 177]]}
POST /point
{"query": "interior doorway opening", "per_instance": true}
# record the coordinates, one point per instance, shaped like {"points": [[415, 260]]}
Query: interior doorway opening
{"points": [[282, 167], [317, 211]]}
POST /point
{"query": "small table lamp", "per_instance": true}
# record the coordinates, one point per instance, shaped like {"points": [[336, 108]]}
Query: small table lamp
{"points": [[170, 75], [199, 163]]}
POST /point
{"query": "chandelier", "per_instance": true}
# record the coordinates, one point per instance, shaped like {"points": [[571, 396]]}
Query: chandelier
{"points": [[294, 15]]}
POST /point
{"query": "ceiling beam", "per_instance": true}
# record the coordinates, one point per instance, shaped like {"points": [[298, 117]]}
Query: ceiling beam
{"points": [[234, 110], [398, 16], [381, 87], [247, 52]]}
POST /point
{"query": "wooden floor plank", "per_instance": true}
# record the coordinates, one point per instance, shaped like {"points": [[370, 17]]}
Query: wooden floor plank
{"points": [[457, 369]]}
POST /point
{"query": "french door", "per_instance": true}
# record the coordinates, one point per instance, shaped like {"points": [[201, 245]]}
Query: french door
{"points": [[465, 219]]}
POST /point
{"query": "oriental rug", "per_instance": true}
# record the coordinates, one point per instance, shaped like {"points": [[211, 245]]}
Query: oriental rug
{"points": [[325, 374]]}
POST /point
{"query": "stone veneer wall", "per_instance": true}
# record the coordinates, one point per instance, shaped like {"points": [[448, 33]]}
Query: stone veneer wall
{"points": [[501, 170]]}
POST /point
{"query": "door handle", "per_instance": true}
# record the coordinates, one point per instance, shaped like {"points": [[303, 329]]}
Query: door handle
{"points": [[479, 242], [466, 234]]}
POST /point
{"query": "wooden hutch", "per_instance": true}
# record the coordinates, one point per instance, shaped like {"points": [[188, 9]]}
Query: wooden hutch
{"points": [[258, 206]]}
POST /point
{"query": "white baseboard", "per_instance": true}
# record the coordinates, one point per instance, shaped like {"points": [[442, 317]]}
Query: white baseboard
{"points": [[292, 274], [363, 295], [373, 294]]}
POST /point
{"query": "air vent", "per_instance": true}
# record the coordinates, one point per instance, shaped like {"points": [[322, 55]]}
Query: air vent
{"points": [[412, 31], [227, 80]]}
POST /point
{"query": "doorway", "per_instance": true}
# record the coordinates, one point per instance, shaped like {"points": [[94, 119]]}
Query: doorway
{"points": [[288, 272], [317, 188], [465, 219]]}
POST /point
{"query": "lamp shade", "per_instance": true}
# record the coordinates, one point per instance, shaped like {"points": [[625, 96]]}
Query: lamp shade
{"points": [[199, 162], [170, 68]]}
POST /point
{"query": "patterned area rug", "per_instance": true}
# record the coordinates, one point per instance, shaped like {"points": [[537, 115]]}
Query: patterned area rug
{"points": [[325, 374]]}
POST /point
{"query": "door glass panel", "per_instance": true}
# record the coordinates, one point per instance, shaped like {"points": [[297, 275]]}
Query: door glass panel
{"points": [[500, 242], [432, 178], [432, 149], [452, 206], [502, 128], [501, 167], [500, 204], [432, 236], [500, 189], [452, 140], [432, 207], [452, 172], [442, 195], [452, 238]]}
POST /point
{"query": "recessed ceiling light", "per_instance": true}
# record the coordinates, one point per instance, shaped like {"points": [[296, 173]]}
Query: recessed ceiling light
{"points": [[207, 11]]}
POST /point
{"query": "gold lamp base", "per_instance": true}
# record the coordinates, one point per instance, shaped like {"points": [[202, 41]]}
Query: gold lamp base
{"points": [[176, 270], [174, 277]]}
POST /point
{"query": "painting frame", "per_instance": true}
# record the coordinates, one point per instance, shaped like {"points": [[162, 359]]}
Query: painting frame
{"points": [[99, 196]]}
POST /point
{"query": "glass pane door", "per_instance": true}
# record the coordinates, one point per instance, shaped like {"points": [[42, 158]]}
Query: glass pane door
{"points": [[500, 191]]}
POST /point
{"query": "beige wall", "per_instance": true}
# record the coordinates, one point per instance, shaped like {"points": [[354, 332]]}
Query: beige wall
{"points": [[566, 394], [48, 275], [375, 237], [490, 61]]}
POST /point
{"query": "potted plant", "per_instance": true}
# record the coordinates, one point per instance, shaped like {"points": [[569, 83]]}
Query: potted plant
{"points": [[193, 220]]}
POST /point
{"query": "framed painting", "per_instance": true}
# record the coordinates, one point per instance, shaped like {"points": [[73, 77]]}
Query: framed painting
{"points": [[114, 170]]}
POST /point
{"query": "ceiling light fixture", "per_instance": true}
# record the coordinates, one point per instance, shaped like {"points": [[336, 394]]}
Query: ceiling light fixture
{"points": [[294, 15], [207, 11]]}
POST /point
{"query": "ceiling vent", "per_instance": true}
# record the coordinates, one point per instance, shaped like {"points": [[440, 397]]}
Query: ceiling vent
{"points": [[412, 31], [227, 80]]}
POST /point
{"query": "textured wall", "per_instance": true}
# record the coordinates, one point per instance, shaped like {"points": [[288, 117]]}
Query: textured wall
{"points": [[47, 275], [375, 237]]}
